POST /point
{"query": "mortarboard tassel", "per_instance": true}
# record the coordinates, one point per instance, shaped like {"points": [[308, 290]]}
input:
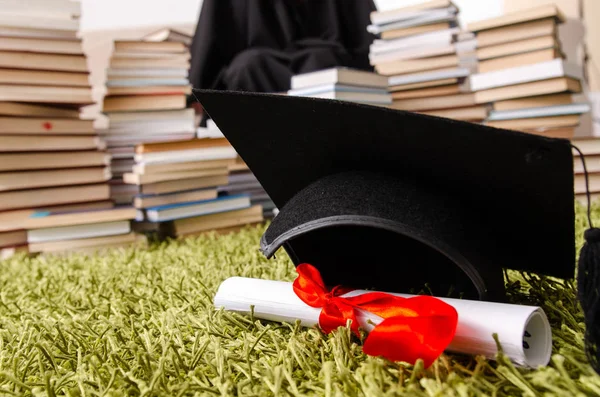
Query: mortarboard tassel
{"points": [[588, 280]]}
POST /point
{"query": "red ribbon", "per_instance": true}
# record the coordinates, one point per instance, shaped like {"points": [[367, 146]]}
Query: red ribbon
{"points": [[413, 328]]}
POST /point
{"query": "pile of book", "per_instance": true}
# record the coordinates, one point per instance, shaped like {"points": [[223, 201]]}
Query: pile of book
{"points": [[241, 179], [180, 188], [146, 98], [427, 59], [54, 170], [590, 148], [523, 76], [343, 84], [182, 179]]}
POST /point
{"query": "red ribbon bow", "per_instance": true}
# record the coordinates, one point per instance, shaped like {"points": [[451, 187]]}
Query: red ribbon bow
{"points": [[413, 328]]}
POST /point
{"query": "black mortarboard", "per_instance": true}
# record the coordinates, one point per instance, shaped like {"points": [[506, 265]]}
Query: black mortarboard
{"points": [[392, 200], [395, 201]]}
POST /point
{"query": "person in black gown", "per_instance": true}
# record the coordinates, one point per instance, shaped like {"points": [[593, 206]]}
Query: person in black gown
{"points": [[258, 45]]}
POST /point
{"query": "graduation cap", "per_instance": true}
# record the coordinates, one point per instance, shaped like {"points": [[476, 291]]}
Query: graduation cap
{"points": [[395, 201]]}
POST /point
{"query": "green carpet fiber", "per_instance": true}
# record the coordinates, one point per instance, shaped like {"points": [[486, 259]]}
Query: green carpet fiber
{"points": [[140, 322]]}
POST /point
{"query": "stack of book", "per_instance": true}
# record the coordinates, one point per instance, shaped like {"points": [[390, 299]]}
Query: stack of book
{"points": [[146, 97], [343, 84], [241, 179], [83, 228], [180, 188], [523, 76], [54, 170], [425, 55], [590, 148]]}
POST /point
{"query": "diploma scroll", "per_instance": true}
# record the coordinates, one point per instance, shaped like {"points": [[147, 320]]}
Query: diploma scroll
{"points": [[523, 331]]}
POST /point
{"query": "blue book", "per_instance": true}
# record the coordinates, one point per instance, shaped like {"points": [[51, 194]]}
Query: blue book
{"points": [[198, 208]]}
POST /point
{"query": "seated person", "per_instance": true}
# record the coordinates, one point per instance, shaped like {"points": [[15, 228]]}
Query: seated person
{"points": [[258, 45]]}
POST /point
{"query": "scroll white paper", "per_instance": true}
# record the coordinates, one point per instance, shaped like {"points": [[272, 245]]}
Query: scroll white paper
{"points": [[523, 331]]}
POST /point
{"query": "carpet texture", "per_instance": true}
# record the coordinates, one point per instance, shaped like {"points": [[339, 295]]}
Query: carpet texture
{"points": [[141, 322]]}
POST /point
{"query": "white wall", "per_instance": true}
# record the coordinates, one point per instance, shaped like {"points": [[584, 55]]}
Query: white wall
{"points": [[119, 14], [125, 14]]}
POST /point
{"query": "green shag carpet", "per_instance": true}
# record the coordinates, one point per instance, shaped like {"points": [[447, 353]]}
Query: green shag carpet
{"points": [[141, 322]]}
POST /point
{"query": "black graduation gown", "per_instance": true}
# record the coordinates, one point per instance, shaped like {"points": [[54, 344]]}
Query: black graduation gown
{"points": [[257, 45]]}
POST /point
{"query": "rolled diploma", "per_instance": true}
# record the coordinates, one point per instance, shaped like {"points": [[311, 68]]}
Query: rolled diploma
{"points": [[523, 331]]}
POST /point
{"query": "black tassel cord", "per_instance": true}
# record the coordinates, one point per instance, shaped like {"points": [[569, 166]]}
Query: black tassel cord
{"points": [[588, 280]]}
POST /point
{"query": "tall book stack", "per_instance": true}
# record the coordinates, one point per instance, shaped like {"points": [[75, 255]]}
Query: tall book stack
{"points": [[179, 188], [523, 75], [145, 102], [343, 84], [420, 48], [54, 170]]}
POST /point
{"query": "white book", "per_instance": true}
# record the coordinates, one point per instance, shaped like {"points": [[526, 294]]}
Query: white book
{"points": [[47, 8], [128, 123], [413, 53], [179, 211], [443, 15], [146, 72], [48, 13], [183, 57], [546, 111], [182, 156], [31, 33], [89, 230], [319, 89], [151, 127], [441, 37], [37, 22], [428, 76], [525, 74], [402, 15], [382, 99], [340, 76], [45, 15], [156, 131], [137, 139], [148, 83], [136, 117]]}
